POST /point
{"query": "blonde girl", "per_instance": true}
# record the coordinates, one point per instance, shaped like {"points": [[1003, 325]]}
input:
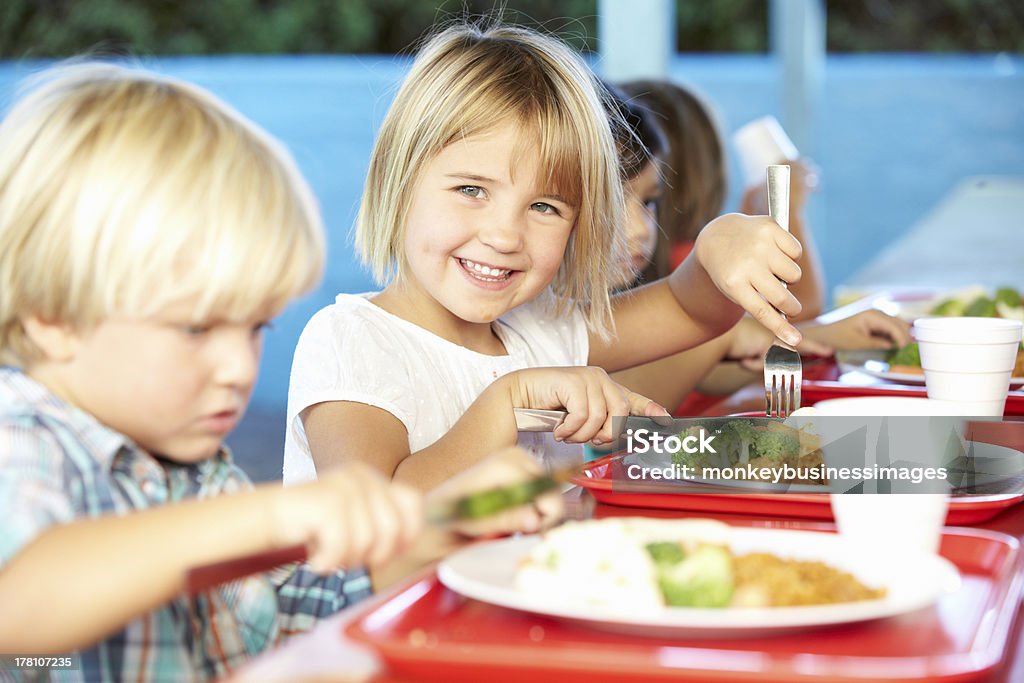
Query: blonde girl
{"points": [[492, 214]]}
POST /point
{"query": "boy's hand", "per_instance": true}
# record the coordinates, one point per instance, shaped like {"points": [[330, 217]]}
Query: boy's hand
{"points": [[588, 394], [748, 258], [350, 516], [507, 466]]}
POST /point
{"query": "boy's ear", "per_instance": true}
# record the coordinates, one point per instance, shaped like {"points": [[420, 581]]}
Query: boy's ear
{"points": [[56, 340]]}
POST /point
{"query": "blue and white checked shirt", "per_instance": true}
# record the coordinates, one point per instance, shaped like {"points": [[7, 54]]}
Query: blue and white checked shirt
{"points": [[59, 464]]}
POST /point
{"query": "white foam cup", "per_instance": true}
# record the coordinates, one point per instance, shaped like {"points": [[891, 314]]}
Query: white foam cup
{"points": [[761, 143], [968, 360]]}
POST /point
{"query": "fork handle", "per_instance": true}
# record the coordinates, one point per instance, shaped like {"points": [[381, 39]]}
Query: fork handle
{"points": [[778, 198], [778, 195]]}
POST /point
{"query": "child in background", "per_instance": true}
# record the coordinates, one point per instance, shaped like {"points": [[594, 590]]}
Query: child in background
{"points": [[493, 213], [148, 233], [696, 179], [642, 148]]}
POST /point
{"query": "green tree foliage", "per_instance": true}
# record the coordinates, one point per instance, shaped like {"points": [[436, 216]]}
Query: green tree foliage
{"points": [[55, 28]]}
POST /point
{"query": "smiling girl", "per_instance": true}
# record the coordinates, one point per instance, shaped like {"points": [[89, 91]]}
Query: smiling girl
{"points": [[492, 213]]}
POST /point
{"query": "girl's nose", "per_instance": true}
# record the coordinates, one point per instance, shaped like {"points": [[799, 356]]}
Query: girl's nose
{"points": [[504, 234]]}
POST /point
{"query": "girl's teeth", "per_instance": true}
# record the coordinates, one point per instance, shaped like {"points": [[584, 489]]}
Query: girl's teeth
{"points": [[485, 270]]}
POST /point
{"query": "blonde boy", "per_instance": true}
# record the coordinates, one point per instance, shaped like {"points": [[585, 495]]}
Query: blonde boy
{"points": [[147, 235]]}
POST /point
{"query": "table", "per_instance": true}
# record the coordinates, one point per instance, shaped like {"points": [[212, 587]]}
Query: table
{"points": [[316, 657], [973, 237]]}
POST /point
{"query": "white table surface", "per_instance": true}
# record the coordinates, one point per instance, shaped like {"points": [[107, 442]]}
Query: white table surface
{"points": [[974, 236]]}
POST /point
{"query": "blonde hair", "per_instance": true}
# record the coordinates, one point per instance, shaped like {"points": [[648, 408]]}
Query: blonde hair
{"points": [[694, 169], [122, 191], [465, 81]]}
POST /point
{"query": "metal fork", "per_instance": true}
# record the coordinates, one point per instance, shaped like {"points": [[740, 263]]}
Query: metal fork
{"points": [[783, 370]]}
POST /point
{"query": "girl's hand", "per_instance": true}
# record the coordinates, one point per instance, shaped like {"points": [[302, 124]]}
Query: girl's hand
{"points": [[590, 397], [748, 258], [350, 516], [507, 466], [871, 329]]}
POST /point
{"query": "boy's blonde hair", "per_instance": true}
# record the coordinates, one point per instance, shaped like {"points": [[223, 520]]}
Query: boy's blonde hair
{"points": [[465, 81], [122, 191]]}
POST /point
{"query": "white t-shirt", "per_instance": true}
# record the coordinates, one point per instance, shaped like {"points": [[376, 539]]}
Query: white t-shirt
{"points": [[356, 351]]}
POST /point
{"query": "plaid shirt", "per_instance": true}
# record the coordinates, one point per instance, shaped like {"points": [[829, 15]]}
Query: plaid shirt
{"points": [[59, 464]]}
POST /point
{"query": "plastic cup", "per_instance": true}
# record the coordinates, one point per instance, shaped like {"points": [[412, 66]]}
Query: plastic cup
{"points": [[968, 360], [761, 143]]}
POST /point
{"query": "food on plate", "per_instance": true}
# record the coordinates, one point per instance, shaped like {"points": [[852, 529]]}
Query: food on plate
{"points": [[1006, 303], [649, 564], [906, 360], [749, 446]]}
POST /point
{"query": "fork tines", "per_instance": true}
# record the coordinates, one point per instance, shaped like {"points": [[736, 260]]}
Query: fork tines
{"points": [[783, 373]]}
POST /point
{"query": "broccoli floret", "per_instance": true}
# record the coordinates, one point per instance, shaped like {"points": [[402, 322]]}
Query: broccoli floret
{"points": [[948, 307], [1008, 296], [740, 429], [906, 355], [665, 553], [775, 445], [696, 462], [702, 579], [734, 439], [982, 307]]}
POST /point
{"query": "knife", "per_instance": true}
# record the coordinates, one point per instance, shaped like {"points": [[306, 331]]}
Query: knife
{"points": [[477, 505]]}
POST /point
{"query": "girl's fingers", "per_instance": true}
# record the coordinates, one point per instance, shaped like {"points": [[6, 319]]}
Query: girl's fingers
{"points": [[615, 406], [785, 269], [576, 406], [765, 314], [777, 295], [785, 241]]}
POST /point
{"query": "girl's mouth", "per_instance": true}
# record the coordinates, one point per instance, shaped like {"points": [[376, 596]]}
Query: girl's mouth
{"points": [[485, 273]]}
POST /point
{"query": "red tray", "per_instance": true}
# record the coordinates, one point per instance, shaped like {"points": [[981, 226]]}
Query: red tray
{"points": [[813, 391], [428, 633], [597, 478]]}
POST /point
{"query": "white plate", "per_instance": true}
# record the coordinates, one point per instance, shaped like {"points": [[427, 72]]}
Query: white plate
{"points": [[873, 363], [486, 572]]}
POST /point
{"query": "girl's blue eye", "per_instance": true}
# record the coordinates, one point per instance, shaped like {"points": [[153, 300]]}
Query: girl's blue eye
{"points": [[470, 191], [545, 208]]}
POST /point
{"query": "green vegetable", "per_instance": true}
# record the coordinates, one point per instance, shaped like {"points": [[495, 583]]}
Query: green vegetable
{"points": [[702, 579], [775, 444], [906, 355], [1008, 296], [949, 307], [696, 461], [486, 503], [982, 307], [665, 553], [734, 440]]}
